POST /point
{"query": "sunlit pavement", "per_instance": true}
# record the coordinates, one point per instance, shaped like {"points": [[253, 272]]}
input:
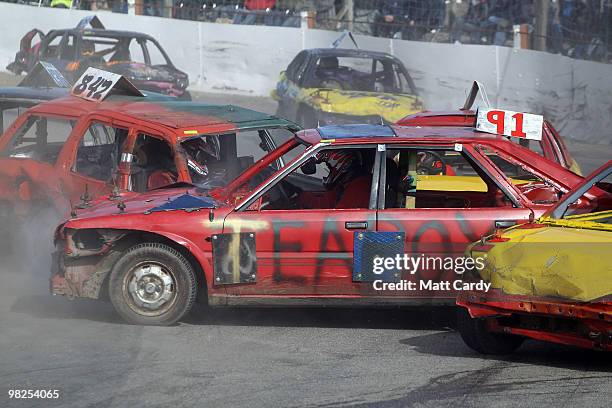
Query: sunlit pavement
{"points": [[271, 357]]}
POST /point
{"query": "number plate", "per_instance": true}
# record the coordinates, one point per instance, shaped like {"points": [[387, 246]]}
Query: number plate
{"points": [[96, 84], [509, 123]]}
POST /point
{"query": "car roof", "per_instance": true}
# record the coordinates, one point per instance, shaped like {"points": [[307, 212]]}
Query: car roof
{"points": [[184, 117], [32, 93], [348, 52], [372, 133], [103, 32]]}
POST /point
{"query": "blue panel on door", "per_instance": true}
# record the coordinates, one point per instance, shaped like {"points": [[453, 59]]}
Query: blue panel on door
{"points": [[368, 245]]}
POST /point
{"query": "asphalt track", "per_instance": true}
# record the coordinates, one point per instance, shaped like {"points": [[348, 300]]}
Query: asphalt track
{"points": [[270, 357]]}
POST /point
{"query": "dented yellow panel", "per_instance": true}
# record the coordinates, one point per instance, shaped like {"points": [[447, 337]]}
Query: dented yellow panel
{"points": [[391, 107], [440, 182], [568, 263]]}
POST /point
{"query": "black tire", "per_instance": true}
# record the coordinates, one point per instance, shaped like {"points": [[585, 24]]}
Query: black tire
{"points": [[475, 334], [152, 284]]}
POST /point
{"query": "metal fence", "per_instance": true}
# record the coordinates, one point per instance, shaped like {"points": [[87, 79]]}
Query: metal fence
{"points": [[577, 28]]}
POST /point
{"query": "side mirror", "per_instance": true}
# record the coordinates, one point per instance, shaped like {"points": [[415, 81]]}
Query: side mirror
{"points": [[309, 167]]}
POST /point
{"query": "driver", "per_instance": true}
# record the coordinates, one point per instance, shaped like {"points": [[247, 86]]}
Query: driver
{"points": [[431, 163], [348, 177], [328, 72], [203, 153]]}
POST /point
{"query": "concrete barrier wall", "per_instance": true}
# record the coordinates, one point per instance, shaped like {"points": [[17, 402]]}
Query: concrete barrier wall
{"points": [[575, 95]]}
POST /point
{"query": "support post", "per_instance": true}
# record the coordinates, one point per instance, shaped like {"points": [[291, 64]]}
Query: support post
{"points": [[541, 24]]}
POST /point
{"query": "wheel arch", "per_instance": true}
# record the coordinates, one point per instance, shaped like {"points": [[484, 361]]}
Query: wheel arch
{"points": [[187, 249]]}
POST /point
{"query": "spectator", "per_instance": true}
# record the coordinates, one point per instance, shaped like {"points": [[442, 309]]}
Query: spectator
{"points": [[579, 20], [501, 14], [420, 17], [389, 18], [253, 9], [61, 3], [455, 18]]}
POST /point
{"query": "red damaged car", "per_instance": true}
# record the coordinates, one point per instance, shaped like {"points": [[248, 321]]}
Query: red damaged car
{"points": [[309, 232], [550, 145], [71, 150]]}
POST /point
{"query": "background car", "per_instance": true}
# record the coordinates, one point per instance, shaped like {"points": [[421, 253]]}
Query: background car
{"points": [[329, 85], [550, 146], [551, 279], [136, 56], [305, 234]]}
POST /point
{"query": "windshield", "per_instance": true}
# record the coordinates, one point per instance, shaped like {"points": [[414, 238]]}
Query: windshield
{"points": [[122, 49], [215, 160], [256, 174], [365, 74]]}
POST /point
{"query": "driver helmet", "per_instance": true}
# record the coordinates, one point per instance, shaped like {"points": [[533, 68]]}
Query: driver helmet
{"points": [[429, 163], [201, 151], [343, 166]]}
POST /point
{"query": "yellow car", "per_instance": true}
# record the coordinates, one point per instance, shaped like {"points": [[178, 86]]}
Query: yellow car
{"points": [[340, 86], [550, 279]]}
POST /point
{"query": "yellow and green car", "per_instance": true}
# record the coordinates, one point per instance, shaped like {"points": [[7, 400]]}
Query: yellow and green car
{"points": [[550, 279], [341, 86]]}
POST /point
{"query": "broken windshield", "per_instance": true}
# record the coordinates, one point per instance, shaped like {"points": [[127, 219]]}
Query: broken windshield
{"points": [[215, 160], [365, 74]]}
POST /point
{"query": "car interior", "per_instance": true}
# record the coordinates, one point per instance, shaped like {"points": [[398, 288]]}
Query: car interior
{"points": [[99, 151], [152, 164], [334, 178], [360, 74], [414, 178]]}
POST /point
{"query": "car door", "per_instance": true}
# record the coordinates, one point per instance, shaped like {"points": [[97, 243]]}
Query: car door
{"points": [[32, 159], [91, 164], [440, 206], [303, 249]]}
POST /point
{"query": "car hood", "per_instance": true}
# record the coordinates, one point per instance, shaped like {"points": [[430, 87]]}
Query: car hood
{"points": [[548, 261], [391, 107], [183, 198], [137, 71]]}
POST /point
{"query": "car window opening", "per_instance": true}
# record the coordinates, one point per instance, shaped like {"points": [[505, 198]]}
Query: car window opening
{"points": [[215, 160], [331, 179], [440, 178], [534, 187], [40, 138], [99, 151], [362, 74], [152, 165]]}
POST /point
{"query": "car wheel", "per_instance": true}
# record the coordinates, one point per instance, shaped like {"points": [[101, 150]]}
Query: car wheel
{"points": [[475, 334], [152, 284], [307, 118]]}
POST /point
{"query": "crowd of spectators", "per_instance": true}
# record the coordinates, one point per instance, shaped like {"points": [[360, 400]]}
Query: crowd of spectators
{"points": [[579, 28]]}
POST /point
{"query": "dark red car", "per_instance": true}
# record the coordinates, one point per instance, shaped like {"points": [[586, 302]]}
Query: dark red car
{"points": [[137, 56], [551, 146], [307, 233]]}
